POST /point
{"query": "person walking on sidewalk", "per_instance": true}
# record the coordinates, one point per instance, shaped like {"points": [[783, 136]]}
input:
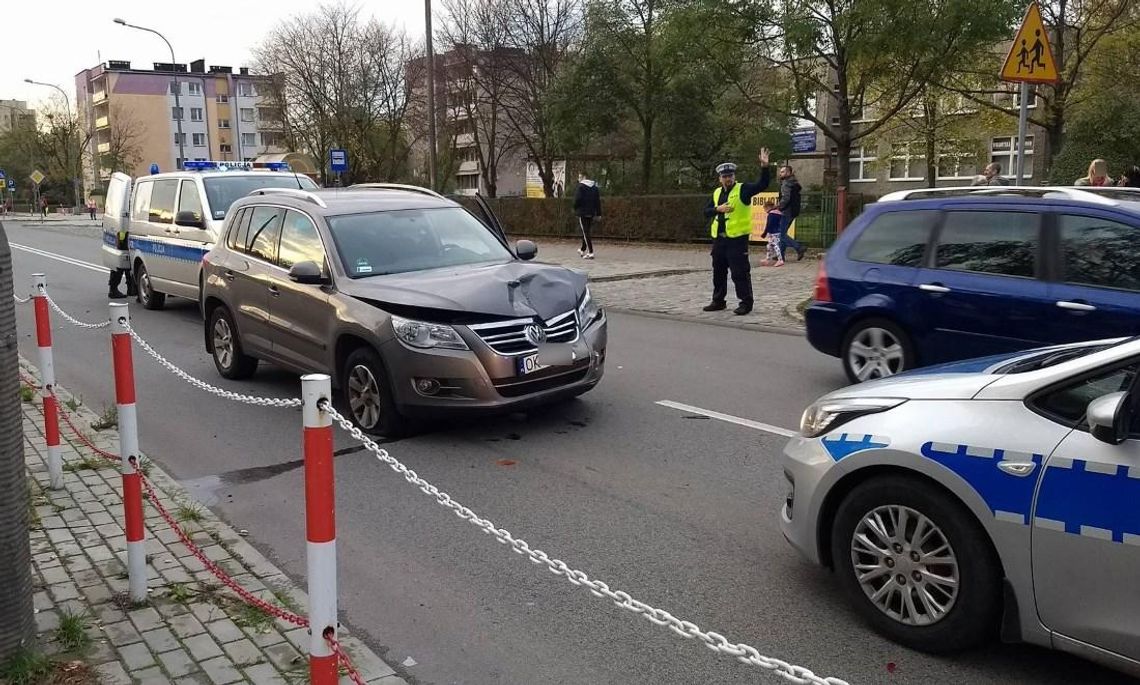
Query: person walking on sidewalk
{"points": [[43, 206], [789, 205], [587, 207], [92, 207], [730, 210], [773, 222]]}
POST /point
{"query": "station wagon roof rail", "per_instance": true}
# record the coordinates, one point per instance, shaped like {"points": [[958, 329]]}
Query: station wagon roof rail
{"points": [[295, 192], [395, 186], [1041, 192]]}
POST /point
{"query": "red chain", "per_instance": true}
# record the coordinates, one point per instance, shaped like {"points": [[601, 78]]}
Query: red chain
{"points": [[353, 675]]}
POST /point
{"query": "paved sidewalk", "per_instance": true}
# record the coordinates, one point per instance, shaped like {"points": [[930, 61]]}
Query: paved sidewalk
{"points": [[676, 281], [192, 629]]}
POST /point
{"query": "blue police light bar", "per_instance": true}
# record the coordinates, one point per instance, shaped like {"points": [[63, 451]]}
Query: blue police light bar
{"points": [[225, 165]]}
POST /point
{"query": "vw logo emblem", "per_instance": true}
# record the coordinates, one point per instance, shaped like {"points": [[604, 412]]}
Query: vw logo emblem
{"points": [[535, 334]]}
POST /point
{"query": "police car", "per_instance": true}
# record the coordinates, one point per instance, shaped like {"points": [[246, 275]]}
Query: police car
{"points": [[174, 219], [999, 494]]}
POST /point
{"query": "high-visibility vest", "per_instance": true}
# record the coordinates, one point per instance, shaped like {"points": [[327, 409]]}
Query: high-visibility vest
{"points": [[738, 222]]}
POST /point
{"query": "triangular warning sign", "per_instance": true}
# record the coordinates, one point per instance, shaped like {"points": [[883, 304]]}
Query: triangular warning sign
{"points": [[1030, 58]]}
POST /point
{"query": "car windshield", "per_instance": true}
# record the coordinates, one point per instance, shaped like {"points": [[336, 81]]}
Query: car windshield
{"points": [[402, 240], [1047, 358], [223, 191]]}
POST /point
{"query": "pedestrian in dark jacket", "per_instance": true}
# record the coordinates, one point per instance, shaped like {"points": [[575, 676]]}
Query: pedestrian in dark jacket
{"points": [[1130, 178], [587, 207], [789, 206]]}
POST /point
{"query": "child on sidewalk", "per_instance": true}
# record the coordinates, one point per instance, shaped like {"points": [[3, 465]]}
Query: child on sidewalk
{"points": [[774, 234]]}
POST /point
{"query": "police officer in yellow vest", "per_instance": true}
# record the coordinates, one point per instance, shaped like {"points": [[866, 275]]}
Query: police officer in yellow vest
{"points": [[117, 275], [730, 213]]}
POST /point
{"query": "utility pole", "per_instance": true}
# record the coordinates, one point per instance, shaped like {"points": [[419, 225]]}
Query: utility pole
{"points": [[432, 162]]}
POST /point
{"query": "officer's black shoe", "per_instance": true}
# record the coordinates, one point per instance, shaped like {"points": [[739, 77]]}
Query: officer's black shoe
{"points": [[115, 294], [714, 307], [743, 309]]}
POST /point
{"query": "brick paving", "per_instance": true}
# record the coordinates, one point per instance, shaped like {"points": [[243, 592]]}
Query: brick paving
{"points": [[190, 630]]}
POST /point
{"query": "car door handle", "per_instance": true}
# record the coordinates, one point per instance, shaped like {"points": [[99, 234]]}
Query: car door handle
{"points": [[229, 275], [934, 288], [274, 291], [1076, 306]]}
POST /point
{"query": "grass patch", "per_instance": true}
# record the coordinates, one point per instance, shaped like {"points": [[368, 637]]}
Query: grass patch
{"points": [[72, 631], [802, 306], [27, 394], [287, 602], [74, 404], [254, 618], [180, 593], [108, 419], [190, 513], [86, 464], [144, 466], [25, 667]]}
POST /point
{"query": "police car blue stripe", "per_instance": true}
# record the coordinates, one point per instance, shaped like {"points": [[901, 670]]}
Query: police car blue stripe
{"points": [[842, 447], [978, 466], [184, 253], [109, 239]]}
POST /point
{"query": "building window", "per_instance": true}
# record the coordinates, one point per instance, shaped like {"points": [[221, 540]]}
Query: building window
{"points": [[468, 154], [226, 148], [195, 114], [467, 182], [272, 139], [907, 162], [223, 123], [176, 112], [247, 114], [194, 88], [246, 90], [199, 139], [249, 139], [199, 159], [179, 138], [957, 161], [861, 164], [174, 88], [1003, 151], [222, 99]]}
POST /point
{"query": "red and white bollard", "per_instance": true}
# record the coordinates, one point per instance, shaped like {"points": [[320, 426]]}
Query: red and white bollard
{"points": [[47, 374], [320, 528], [129, 450]]}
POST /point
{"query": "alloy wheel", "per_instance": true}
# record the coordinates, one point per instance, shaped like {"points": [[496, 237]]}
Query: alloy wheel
{"points": [[364, 396], [875, 353]]}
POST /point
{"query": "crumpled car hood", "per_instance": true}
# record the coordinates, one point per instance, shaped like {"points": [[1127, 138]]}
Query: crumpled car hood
{"points": [[512, 290]]}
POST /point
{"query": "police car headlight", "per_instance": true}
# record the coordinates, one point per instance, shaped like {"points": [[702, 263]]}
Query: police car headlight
{"points": [[423, 335], [588, 310], [827, 415]]}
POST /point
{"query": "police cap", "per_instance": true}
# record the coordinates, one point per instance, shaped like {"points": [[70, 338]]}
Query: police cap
{"points": [[728, 168]]}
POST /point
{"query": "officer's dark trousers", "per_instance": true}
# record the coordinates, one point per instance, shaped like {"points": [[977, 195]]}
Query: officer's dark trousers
{"points": [[117, 277], [731, 254]]}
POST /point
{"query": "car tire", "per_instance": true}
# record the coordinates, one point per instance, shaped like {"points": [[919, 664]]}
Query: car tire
{"points": [[967, 617], [875, 348], [146, 294], [225, 346], [368, 397]]}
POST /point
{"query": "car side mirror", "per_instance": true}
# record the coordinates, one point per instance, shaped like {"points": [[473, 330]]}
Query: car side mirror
{"points": [[306, 272], [1109, 419], [526, 250], [189, 219]]}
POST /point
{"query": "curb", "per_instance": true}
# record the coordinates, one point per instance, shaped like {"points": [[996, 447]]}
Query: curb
{"points": [[744, 326]]}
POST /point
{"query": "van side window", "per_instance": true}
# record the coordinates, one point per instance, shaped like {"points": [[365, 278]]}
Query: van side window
{"points": [[895, 238], [264, 232], [189, 200], [162, 202], [1003, 243], [1099, 252], [142, 201]]}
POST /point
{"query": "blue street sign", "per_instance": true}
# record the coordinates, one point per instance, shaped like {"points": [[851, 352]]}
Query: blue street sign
{"points": [[803, 140], [11, 185], [338, 159], [2, 175]]}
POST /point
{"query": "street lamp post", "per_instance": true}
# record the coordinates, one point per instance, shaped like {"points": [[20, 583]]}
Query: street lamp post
{"points": [[432, 163], [177, 87], [79, 152]]}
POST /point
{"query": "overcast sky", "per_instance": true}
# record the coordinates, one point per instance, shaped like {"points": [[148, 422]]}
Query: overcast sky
{"points": [[54, 41]]}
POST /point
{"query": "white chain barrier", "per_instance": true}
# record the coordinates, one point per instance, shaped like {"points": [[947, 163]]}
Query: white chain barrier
{"points": [[718, 643], [213, 390], [71, 319], [20, 300]]}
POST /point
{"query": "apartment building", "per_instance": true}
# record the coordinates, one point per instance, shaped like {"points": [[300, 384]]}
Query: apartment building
{"points": [[135, 117], [15, 114]]}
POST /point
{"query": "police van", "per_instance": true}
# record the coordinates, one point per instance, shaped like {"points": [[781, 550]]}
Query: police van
{"points": [[173, 219]]}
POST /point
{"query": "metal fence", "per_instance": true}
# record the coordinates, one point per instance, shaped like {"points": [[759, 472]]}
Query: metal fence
{"points": [[816, 224]]}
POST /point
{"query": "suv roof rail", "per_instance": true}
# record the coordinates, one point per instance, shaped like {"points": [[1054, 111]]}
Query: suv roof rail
{"points": [[295, 192], [1066, 192], [396, 186]]}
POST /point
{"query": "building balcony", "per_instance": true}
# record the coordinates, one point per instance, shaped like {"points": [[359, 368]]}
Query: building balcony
{"points": [[464, 139], [103, 148], [468, 168], [102, 122], [98, 96], [270, 125]]}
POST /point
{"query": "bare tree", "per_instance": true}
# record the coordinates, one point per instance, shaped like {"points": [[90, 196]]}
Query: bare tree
{"points": [[124, 150], [475, 31], [61, 143], [543, 33]]}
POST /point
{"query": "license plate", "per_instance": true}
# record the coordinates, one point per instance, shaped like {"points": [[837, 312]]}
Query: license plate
{"points": [[548, 355], [530, 364]]}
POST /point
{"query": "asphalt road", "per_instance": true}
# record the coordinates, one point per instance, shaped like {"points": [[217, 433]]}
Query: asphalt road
{"points": [[676, 509]]}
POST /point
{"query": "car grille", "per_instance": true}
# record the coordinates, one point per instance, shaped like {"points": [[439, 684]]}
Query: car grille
{"points": [[508, 338], [533, 385]]}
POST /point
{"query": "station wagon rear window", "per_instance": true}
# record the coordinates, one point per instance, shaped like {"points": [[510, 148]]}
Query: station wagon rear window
{"points": [[895, 238]]}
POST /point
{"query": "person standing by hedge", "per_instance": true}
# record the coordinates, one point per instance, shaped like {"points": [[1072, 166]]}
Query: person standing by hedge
{"points": [[730, 210], [587, 207]]}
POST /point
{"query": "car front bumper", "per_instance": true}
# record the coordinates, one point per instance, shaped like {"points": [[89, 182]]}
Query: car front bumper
{"points": [[806, 463], [481, 381]]}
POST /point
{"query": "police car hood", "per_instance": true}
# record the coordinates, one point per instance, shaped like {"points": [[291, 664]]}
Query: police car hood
{"points": [[476, 292]]}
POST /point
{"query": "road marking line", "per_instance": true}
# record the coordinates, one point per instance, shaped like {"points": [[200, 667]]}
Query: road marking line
{"points": [[747, 423], [60, 258]]}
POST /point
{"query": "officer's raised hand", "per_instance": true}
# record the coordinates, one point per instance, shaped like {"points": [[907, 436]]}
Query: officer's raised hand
{"points": [[765, 154]]}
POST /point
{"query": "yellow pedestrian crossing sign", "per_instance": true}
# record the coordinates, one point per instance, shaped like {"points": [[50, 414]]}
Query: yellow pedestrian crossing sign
{"points": [[1030, 59]]}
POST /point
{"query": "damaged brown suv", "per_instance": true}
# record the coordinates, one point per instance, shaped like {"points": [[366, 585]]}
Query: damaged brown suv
{"points": [[414, 305]]}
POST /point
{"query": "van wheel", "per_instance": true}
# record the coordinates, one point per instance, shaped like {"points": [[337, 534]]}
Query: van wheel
{"points": [[917, 565], [876, 348], [368, 395], [147, 295], [225, 345]]}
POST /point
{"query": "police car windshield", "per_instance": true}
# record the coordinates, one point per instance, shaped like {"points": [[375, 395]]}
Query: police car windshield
{"points": [[403, 240], [223, 191]]}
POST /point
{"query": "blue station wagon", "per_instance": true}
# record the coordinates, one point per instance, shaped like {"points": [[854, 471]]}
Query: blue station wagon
{"points": [[935, 276]]}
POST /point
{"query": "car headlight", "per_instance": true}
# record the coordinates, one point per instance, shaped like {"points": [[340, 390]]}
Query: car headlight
{"points": [[423, 335], [827, 415], [588, 310]]}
